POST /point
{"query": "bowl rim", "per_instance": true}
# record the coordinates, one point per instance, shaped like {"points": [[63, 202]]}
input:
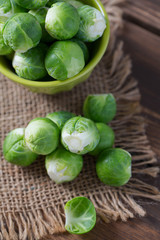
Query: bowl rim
{"points": [[55, 83]]}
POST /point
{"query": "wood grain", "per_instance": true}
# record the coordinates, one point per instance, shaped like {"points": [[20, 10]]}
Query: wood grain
{"points": [[143, 47], [145, 13]]}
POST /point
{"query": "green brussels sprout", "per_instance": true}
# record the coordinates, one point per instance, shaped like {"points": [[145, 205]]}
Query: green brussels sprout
{"points": [[113, 167], [9, 7], [31, 4], [40, 15], [80, 135], [100, 107], [15, 149], [42, 136], [60, 117], [83, 47], [80, 215], [22, 32], [74, 3], [92, 24], [64, 60], [30, 65], [106, 138], [62, 21], [63, 166], [4, 49]]}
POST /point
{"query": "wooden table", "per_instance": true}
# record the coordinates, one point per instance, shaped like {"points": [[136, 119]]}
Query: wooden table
{"points": [[141, 36]]}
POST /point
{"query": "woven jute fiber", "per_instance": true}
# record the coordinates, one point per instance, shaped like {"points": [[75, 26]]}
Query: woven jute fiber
{"points": [[31, 205]]}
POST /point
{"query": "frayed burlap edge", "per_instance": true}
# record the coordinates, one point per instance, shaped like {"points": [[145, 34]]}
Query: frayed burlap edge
{"points": [[110, 206]]}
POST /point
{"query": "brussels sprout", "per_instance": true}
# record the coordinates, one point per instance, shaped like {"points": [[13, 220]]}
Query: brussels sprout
{"points": [[30, 65], [83, 47], [80, 215], [92, 24], [62, 21], [40, 15], [113, 167], [22, 32], [9, 7], [4, 49], [100, 107], [106, 138], [42, 136], [31, 4], [74, 3], [15, 149], [63, 166], [60, 118], [80, 135], [64, 60]]}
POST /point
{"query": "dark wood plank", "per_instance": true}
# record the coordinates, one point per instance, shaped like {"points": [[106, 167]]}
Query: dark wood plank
{"points": [[143, 47], [152, 120], [145, 13]]}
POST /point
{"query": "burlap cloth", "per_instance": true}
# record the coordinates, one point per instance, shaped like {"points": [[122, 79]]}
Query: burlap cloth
{"points": [[31, 205]]}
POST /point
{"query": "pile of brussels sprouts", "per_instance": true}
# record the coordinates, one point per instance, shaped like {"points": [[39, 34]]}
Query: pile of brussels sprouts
{"points": [[63, 138], [48, 37]]}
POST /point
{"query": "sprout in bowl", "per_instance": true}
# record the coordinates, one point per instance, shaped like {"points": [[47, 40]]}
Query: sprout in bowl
{"points": [[4, 49], [80, 215], [63, 166], [80, 135], [30, 65], [64, 60], [9, 7], [92, 24], [74, 3], [62, 21], [22, 32], [31, 4], [40, 15]]}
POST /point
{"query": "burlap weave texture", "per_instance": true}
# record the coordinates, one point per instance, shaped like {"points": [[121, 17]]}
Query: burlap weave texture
{"points": [[31, 205]]}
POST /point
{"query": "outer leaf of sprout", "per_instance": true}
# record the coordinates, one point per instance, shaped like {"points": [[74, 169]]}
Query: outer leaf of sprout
{"points": [[60, 117], [92, 24], [15, 149], [42, 136], [83, 47], [9, 7], [4, 49], [63, 166], [22, 32], [74, 3], [64, 60], [30, 65], [40, 15], [62, 21], [31, 4], [106, 138]]}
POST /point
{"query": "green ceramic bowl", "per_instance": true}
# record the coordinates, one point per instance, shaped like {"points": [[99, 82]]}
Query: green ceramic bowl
{"points": [[52, 87]]}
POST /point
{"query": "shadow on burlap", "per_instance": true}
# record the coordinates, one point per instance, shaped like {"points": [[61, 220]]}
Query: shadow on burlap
{"points": [[31, 205]]}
